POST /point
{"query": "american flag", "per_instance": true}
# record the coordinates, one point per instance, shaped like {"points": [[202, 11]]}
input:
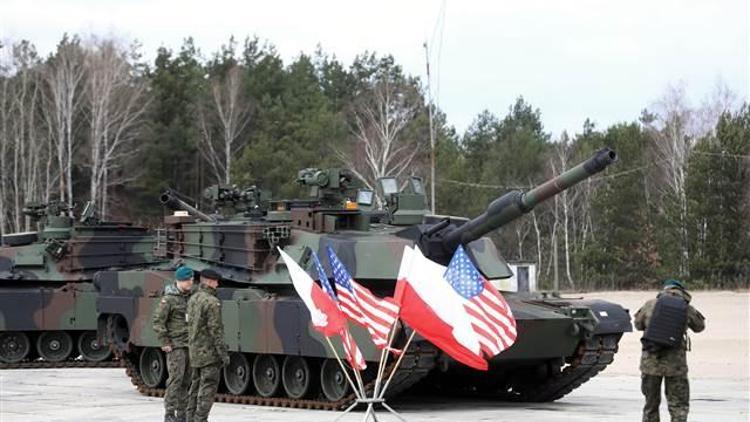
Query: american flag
{"points": [[358, 303], [353, 354], [491, 317]]}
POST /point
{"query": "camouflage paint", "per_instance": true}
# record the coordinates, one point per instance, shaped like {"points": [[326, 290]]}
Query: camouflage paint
{"points": [[46, 276]]}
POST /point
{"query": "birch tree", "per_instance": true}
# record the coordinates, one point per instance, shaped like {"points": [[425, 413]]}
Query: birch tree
{"points": [[223, 121], [379, 119], [64, 77], [4, 140], [116, 102], [674, 133]]}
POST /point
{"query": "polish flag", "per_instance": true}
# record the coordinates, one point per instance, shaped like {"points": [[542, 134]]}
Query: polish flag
{"points": [[324, 312], [435, 310]]}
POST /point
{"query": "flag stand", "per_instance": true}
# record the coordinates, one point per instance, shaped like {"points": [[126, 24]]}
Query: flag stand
{"points": [[378, 394], [370, 412]]}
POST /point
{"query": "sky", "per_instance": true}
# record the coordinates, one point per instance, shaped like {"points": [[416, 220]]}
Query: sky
{"points": [[574, 59]]}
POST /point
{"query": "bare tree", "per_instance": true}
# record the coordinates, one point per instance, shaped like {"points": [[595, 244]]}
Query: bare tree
{"points": [[675, 132], [64, 75], [379, 120], [116, 102], [223, 121], [4, 138]]}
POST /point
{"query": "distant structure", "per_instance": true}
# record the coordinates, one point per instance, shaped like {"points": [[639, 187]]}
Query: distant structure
{"points": [[523, 279]]}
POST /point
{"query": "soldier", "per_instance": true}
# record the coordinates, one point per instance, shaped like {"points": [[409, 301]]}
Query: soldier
{"points": [[170, 326], [665, 321], [208, 352]]}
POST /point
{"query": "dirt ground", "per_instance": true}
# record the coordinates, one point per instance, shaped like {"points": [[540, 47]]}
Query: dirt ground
{"points": [[721, 351]]}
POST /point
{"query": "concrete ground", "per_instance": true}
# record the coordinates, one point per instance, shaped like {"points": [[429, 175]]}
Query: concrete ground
{"points": [[106, 395], [719, 372]]}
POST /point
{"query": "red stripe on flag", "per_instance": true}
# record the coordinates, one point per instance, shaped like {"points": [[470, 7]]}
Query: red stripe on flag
{"points": [[484, 330], [352, 352], [507, 333], [422, 319]]}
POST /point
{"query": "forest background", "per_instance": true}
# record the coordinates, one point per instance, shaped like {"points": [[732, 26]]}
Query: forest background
{"points": [[94, 121]]}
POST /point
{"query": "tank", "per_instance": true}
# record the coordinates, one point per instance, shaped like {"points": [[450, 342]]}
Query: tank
{"points": [[277, 359], [47, 297]]}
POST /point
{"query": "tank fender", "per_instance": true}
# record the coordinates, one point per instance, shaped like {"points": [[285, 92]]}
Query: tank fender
{"points": [[612, 318]]}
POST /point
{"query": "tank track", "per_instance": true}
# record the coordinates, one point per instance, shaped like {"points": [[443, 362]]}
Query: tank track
{"points": [[63, 364], [591, 357], [416, 364]]}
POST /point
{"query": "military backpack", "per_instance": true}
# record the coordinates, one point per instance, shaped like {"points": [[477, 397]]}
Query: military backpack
{"points": [[667, 325]]}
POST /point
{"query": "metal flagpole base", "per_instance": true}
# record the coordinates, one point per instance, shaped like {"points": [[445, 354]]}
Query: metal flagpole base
{"points": [[370, 412]]}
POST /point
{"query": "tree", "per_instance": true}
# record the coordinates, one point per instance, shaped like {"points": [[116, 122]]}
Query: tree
{"points": [[170, 156], [225, 115], [64, 75], [379, 117], [719, 196], [622, 254], [22, 144], [116, 101]]}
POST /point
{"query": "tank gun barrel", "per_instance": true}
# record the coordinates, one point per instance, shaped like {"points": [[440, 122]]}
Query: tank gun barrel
{"points": [[514, 204], [173, 199]]}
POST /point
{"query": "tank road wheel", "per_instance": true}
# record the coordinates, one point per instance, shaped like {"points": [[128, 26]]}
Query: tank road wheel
{"points": [[14, 347], [237, 374], [153, 367], [266, 375], [91, 349], [296, 376], [333, 381], [54, 346]]}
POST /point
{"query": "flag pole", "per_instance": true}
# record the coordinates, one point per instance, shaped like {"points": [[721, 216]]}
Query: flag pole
{"points": [[359, 394], [398, 362], [384, 359], [358, 377], [381, 371]]}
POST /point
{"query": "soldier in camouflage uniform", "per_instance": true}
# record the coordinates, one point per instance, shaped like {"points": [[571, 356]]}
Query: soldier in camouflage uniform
{"points": [[208, 352], [669, 364], [170, 326]]}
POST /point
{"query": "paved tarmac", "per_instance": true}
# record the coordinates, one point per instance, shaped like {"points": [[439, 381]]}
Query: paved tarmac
{"points": [[78, 394]]}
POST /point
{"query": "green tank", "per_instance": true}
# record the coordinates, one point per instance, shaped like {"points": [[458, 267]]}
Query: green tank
{"points": [[47, 298], [278, 359]]}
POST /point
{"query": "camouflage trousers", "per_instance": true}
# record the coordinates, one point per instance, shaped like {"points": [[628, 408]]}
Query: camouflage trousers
{"points": [[178, 383], [677, 390], [202, 391]]}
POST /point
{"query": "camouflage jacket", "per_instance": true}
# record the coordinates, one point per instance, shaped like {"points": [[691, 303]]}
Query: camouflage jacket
{"points": [[169, 322], [669, 362], [205, 329]]}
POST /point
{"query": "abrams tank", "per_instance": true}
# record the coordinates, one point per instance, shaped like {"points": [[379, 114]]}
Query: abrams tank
{"points": [[47, 298], [278, 359]]}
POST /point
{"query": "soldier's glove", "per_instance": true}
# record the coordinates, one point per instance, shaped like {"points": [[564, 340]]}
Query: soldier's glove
{"points": [[225, 360]]}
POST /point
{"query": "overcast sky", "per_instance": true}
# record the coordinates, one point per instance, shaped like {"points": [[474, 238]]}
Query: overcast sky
{"points": [[573, 59]]}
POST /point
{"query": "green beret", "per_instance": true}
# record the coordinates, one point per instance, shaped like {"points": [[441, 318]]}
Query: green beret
{"points": [[671, 282], [183, 273]]}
